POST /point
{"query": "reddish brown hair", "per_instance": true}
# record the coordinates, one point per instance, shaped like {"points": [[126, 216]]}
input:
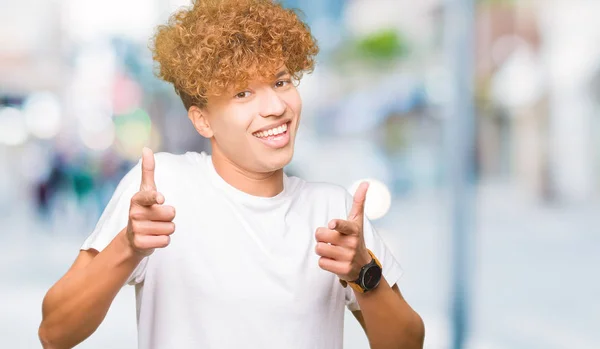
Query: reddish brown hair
{"points": [[216, 45]]}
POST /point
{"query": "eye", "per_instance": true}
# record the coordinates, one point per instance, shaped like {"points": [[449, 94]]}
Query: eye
{"points": [[243, 94], [282, 83]]}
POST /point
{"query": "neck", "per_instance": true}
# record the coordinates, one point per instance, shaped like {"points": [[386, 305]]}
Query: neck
{"points": [[267, 184]]}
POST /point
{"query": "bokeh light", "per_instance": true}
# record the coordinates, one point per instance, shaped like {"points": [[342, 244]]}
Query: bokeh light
{"points": [[379, 198], [126, 96], [43, 115], [13, 130], [94, 119], [99, 138], [132, 132]]}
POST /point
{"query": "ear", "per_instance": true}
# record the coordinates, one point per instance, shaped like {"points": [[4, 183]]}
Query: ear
{"points": [[198, 118]]}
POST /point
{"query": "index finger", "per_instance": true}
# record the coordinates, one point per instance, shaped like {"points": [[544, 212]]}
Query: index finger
{"points": [[147, 170]]}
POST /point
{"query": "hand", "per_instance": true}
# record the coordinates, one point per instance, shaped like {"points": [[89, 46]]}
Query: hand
{"points": [[150, 224], [342, 245]]}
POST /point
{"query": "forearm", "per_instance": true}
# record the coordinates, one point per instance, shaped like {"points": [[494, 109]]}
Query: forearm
{"points": [[76, 305], [390, 323]]}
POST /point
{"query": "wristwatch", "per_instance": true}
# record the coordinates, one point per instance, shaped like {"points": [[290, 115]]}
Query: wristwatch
{"points": [[368, 278]]}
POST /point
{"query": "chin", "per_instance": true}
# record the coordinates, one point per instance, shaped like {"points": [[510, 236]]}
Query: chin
{"points": [[278, 160]]}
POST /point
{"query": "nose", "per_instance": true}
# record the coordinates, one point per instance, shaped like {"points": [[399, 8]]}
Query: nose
{"points": [[272, 104]]}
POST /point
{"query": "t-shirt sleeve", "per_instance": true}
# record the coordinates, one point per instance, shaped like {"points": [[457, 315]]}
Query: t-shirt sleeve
{"points": [[392, 270], [114, 218]]}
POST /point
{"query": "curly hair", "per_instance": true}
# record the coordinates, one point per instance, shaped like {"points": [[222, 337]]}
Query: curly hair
{"points": [[216, 45]]}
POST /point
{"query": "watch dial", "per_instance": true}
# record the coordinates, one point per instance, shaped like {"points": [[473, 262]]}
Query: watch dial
{"points": [[372, 277]]}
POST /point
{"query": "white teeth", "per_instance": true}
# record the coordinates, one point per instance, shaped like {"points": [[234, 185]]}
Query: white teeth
{"points": [[271, 132]]}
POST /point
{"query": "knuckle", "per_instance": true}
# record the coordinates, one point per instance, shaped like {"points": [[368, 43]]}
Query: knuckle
{"points": [[352, 255], [138, 241], [135, 226], [319, 248], [136, 215], [164, 241], [322, 263], [319, 233]]}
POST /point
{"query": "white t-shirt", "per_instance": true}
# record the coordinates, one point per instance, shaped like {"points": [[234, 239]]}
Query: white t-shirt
{"points": [[241, 271]]}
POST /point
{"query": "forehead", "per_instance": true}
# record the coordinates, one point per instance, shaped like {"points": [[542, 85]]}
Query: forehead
{"points": [[251, 79], [275, 74]]}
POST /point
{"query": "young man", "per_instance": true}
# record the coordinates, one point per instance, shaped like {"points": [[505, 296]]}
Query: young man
{"points": [[259, 259]]}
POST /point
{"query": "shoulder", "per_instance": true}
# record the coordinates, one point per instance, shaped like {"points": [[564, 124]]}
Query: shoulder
{"points": [[169, 166], [170, 162], [331, 193], [169, 169]]}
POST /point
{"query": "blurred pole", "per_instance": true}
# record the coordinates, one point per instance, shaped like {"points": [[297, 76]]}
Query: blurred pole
{"points": [[459, 41]]}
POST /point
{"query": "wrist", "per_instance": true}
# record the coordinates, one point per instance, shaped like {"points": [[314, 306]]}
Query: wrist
{"points": [[369, 276], [364, 258], [126, 249]]}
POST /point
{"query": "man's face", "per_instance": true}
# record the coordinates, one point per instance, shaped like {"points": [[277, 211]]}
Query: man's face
{"points": [[256, 127]]}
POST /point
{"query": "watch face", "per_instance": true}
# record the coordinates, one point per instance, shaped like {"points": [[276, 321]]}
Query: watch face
{"points": [[372, 277]]}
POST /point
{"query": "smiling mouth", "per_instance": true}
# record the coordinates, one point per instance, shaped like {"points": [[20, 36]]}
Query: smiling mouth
{"points": [[273, 133]]}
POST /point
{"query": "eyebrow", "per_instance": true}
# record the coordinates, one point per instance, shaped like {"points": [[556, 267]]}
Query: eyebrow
{"points": [[281, 73]]}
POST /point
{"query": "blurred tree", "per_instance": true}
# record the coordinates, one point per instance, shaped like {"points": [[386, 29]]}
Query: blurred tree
{"points": [[386, 44], [373, 50]]}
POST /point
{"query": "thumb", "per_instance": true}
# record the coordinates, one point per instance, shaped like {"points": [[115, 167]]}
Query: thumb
{"points": [[147, 170], [357, 212]]}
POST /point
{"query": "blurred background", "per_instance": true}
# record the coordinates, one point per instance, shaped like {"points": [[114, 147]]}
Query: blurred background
{"points": [[78, 100]]}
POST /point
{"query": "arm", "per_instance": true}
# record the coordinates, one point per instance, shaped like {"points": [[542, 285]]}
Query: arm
{"points": [[388, 320], [76, 305]]}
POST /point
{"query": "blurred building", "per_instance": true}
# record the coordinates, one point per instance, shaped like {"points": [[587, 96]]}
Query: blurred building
{"points": [[78, 100], [537, 99]]}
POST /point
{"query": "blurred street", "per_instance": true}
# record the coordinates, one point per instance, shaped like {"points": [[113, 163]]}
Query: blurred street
{"points": [[389, 101]]}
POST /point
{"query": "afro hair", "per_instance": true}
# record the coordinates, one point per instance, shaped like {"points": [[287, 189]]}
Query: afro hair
{"points": [[217, 45]]}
